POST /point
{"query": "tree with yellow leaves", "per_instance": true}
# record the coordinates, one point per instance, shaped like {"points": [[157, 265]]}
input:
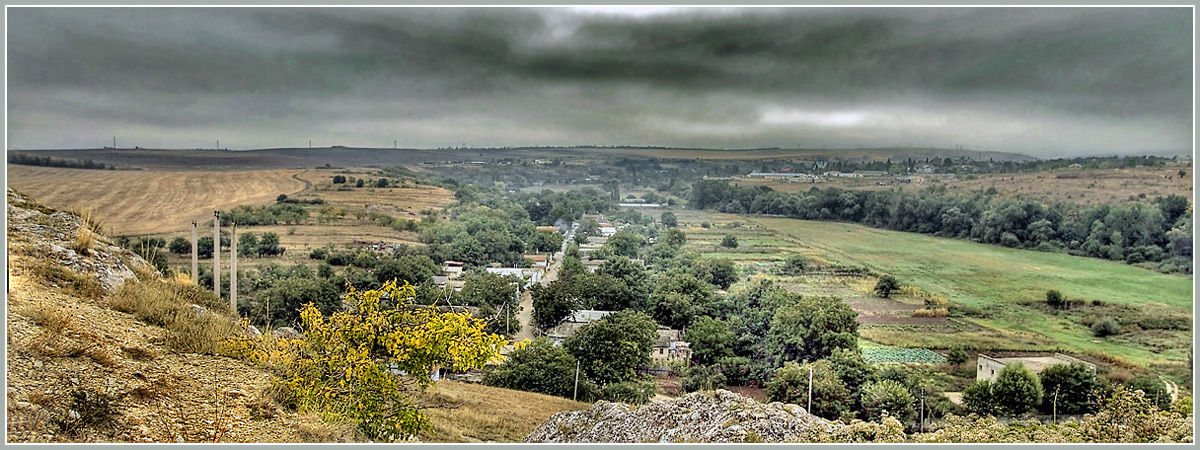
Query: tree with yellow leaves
{"points": [[360, 364]]}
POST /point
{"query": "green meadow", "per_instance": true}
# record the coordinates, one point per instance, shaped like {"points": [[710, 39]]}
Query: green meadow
{"points": [[1003, 289]]}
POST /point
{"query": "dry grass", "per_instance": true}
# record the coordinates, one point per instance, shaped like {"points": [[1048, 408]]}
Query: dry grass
{"points": [[931, 312], [465, 412], [52, 318], [169, 305], [144, 202], [72, 282]]}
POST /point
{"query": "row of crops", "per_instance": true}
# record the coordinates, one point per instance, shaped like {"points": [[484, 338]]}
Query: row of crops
{"points": [[879, 355]]}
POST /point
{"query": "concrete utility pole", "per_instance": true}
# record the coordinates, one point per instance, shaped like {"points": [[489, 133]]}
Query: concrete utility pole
{"points": [[575, 395], [217, 253], [810, 389], [233, 270], [195, 256]]}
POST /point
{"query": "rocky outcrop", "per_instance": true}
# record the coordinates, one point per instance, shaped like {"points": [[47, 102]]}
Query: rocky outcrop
{"points": [[719, 416], [51, 236]]}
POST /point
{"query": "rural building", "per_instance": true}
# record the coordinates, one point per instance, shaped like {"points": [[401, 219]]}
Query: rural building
{"points": [[530, 276], [785, 176], [587, 249], [548, 228], [926, 169], [598, 240], [592, 264], [988, 368], [574, 323], [640, 205], [670, 346], [871, 173], [452, 269]]}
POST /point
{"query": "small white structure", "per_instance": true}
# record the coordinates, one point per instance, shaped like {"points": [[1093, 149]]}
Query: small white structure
{"points": [[529, 276], [988, 368]]}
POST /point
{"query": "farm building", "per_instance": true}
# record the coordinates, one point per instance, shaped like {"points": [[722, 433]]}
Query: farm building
{"points": [[871, 173], [452, 269], [670, 346], [988, 368]]}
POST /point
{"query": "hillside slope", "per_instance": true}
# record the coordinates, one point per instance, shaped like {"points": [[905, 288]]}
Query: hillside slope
{"points": [[80, 370]]}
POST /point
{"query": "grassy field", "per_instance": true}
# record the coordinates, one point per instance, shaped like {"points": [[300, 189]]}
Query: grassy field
{"points": [[148, 202], [1087, 187], [1002, 289], [466, 412]]}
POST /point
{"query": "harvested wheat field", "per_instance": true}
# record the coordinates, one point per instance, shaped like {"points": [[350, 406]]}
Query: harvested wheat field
{"points": [[147, 202]]}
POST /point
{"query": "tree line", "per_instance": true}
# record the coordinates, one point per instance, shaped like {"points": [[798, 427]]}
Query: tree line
{"points": [[1156, 235]]}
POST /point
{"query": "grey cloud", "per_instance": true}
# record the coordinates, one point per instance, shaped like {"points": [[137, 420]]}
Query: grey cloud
{"points": [[1096, 79]]}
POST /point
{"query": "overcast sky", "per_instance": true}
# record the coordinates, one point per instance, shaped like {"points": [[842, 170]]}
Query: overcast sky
{"points": [[1044, 82]]}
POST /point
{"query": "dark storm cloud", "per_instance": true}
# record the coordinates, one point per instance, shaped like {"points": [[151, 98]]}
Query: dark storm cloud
{"points": [[1040, 81]]}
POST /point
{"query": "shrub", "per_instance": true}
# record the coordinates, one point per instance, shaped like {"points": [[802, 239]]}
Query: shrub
{"points": [[890, 396], [794, 265], [1055, 299], [318, 253], [1016, 390], [931, 312], [632, 392], [729, 241], [830, 397], [977, 398], [1105, 327], [704, 378], [344, 367], [180, 246], [957, 355], [540, 367], [169, 305], [886, 286]]}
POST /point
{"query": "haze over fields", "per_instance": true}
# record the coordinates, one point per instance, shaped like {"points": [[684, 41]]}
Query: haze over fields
{"points": [[1045, 82]]}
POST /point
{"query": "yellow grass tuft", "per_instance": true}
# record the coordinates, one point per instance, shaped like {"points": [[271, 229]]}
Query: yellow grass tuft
{"points": [[72, 282], [169, 305]]}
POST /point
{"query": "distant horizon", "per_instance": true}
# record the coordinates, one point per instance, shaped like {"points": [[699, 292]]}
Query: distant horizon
{"points": [[1156, 153]]}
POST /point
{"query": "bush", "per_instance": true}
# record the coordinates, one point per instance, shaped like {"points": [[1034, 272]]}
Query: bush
{"points": [[1016, 390], [1105, 327], [704, 378], [890, 396], [977, 398], [1055, 299], [1073, 384], [729, 241], [830, 398], [540, 367], [957, 355], [180, 246], [631, 392], [886, 286], [794, 265], [318, 253]]}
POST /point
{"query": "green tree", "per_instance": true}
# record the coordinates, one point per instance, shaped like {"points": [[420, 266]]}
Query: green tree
{"points": [[890, 396], [625, 243], [794, 265], [553, 302], [339, 179], [248, 244], [729, 241], [830, 398], [412, 268], [546, 241], [180, 246], [611, 348], [1055, 299], [710, 339], [1073, 384], [957, 355], [812, 328], [977, 398], [1016, 390], [716, 271], [886, 286], [540, 367], [669, 220], [359, 183]]}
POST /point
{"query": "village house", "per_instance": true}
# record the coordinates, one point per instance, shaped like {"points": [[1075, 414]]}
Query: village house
{"points": [[989, 368], [670, 346], [574, 323], [452, 269], [529, 276]]}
